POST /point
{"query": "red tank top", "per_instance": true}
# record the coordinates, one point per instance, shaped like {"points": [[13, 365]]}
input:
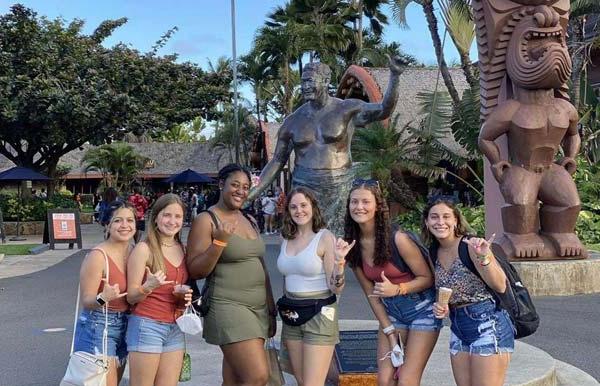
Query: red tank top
{"points": [[161, 305], [391, 272], [115, 276]]}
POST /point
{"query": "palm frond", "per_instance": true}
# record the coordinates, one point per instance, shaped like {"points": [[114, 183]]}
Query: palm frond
{"points": [[457, 17], [399, 12]]}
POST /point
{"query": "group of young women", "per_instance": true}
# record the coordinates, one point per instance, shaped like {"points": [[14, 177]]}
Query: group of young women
{"points": [[225, 247]]}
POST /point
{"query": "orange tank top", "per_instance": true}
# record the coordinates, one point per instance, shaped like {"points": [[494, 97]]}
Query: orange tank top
{"points": [[391, 272], [161, 305], [115, 276]]}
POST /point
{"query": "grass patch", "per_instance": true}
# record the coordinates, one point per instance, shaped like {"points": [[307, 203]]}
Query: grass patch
{"points": [[594, 247], [16, 249]]}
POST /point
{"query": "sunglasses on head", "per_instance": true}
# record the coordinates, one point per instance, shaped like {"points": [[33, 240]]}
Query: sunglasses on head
{"points": [[442, 198], [365, 182]]}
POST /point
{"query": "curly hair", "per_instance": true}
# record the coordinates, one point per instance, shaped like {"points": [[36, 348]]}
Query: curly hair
{"points": [[289, 227], [229, 169], [382, 253], [462, 226]]}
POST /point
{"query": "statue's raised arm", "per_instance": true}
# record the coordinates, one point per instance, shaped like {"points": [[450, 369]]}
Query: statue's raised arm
{"points": [[372, 112]]}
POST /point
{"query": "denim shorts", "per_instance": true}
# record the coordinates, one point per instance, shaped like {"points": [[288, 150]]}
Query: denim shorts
{"points": [[413, 311], [151, 336], [482, 329], [90, 328]]}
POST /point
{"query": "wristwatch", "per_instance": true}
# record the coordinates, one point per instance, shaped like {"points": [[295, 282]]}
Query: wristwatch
{"points": [[100, 300]]}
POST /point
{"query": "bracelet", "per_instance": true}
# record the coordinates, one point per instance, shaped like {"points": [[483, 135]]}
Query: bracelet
{"points": [[485, 263], [402, 290], [144, 290], [219, 243], [389, 329]]}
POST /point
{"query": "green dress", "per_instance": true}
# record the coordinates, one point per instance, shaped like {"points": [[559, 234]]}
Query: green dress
{"points": [[237, 294]]}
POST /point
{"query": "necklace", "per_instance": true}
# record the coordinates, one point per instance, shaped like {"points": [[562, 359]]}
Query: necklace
{"points": [[166, 244]]}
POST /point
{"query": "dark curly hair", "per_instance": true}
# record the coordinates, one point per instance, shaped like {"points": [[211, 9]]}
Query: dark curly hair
{"points": [[462, 226], [289, 227], [382, 252]]}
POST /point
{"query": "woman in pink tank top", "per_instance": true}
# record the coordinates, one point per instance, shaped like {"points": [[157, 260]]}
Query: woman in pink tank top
{"points": [[156, 275], [96, 292], [401, 297]]}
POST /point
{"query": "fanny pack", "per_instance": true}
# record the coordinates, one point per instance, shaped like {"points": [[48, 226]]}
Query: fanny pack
{"points": [[296, 312]]}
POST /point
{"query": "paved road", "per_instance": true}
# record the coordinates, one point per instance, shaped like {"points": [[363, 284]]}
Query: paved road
{"points": [[45, 299]]}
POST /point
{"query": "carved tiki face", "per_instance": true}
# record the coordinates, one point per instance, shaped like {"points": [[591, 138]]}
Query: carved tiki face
{"points": [[537, 52], [521, 43]]}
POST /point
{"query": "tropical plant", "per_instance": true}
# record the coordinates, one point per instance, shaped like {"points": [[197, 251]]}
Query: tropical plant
{"points": [[224, 138], [188, 132], [118, 163]]}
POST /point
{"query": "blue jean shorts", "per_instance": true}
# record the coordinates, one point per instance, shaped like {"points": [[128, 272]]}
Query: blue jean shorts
{"points": [[151, 336], [413, 311], [90, 328], [482, 329]]}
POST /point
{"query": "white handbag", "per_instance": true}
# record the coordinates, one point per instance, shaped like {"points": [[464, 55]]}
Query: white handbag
{"points": [[87, 369], [190, 322]]}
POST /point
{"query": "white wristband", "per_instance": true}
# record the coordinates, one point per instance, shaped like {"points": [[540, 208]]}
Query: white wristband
{"points": [[389, 329]]}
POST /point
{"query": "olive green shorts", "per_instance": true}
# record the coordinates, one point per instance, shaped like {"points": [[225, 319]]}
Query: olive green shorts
{"points": [[320, 330]]}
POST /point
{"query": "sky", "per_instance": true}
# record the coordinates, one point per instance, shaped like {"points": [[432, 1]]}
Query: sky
{"points": [[205, 25]]}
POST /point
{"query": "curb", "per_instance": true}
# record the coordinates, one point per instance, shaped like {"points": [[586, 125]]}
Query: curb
{"points": [[39, 249], [1, 257]]}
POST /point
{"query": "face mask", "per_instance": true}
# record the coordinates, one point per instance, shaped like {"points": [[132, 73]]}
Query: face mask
{"points": [[190, 322]]}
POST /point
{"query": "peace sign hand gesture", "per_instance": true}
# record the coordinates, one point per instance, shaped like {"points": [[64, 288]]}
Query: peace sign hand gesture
{"points": [[481, 246], [155, 280]]}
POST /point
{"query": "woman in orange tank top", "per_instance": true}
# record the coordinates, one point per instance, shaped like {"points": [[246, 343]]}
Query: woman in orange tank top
{"points": [[156, 273], [401, 301], [96, 292]]}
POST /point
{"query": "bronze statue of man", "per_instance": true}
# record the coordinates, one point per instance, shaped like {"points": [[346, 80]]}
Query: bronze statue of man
{"points": [[525, 66], [320, 133]]}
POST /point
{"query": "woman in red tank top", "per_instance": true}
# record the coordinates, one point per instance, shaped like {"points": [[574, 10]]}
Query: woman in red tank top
{"points": [[401, 301], [96, 292], [156, 273]]}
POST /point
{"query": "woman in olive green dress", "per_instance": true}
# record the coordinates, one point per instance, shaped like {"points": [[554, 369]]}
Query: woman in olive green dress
{"points": [[225, 247]]}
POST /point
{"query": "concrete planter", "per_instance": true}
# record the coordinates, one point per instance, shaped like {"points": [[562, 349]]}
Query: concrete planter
{"points": [[27, 228]]}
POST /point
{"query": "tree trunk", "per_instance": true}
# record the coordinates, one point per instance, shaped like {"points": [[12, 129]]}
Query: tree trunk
{"points": [[287, 92], [51, 169], [439, 53], [300, 65], [359, 43], [467, 66], [577, 58]]}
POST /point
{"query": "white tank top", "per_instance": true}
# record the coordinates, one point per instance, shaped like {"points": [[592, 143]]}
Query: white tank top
{"points": [[303, 272]]}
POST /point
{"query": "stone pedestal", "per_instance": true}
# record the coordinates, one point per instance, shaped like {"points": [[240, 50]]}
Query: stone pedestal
{"points": [[561, 277]]}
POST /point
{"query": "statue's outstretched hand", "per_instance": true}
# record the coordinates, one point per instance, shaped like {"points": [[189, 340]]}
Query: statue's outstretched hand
{"points": [[397, 64], [499, 168], [569, 164]]}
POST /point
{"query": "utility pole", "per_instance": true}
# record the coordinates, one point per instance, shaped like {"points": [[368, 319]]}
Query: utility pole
{"points": [[235, 91]]}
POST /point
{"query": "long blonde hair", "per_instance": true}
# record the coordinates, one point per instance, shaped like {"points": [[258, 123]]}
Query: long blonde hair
{"points": [[156, 261]]}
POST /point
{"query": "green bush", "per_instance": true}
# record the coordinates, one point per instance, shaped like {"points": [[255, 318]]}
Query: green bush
{"points": [[33, 208]]}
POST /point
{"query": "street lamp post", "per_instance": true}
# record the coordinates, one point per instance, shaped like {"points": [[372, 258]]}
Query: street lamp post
{"points": [[235, 93]]}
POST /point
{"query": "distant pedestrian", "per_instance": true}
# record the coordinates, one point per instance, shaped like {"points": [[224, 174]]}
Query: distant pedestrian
{"points": [[268, 207], [77, 199], [103, 287], [140, 204], [108, 197]]}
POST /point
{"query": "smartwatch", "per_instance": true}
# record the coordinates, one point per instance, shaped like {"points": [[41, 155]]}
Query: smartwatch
{"points": [[100, 300]]}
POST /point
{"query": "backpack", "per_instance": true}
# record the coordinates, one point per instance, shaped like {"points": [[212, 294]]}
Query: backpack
{"points": [[397, 259], [515, 300]]}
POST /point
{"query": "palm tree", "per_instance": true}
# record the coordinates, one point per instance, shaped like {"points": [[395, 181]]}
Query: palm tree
{"points": [[118, 162], [187, 132], [257, 72], [399, 14], [459, 23], [377, 19], [224, 139]]}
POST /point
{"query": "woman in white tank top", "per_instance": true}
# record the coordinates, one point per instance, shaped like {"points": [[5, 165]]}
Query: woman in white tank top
{"points": [[312, 262]]}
